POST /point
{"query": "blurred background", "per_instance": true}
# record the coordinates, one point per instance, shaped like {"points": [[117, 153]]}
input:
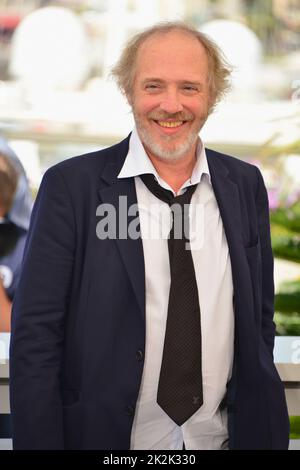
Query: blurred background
{"points": [[57, 99]]}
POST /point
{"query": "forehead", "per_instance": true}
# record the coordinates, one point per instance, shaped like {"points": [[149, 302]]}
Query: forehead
{"points": [[176, 54]]}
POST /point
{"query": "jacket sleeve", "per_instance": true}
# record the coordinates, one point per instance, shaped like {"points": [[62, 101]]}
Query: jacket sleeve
{"points": [[38, 319], [268, 326]]}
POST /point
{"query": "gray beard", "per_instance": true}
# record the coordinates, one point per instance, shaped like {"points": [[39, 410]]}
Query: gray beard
{"points": [[168, 155]]}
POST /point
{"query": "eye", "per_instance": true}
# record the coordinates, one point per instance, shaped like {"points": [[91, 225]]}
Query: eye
{"points": [[190, 88], [152, 87]]}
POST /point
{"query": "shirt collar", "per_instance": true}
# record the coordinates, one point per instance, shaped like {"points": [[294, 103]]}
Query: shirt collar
{"points": [[138, 163]]}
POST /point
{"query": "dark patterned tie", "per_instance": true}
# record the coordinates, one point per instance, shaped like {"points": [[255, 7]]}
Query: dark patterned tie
{"points": [[180, 392]]}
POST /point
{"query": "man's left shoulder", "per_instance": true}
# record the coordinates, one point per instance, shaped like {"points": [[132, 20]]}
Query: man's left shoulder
{"points": [[239, 170]]}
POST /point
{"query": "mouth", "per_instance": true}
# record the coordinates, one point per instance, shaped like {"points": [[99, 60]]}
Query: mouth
{"points": [[169, 124], [170, 127]]}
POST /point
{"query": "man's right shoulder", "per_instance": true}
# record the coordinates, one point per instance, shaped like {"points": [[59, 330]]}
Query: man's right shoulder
{"points": [[89, 163]]}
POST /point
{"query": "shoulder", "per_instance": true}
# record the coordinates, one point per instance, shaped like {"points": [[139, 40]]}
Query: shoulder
{"points": [[89, 163], [240, 171], [78, 175], [231, 163]]}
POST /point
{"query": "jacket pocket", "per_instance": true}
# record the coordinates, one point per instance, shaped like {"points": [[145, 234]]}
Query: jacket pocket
{"points": [[252, 248]]}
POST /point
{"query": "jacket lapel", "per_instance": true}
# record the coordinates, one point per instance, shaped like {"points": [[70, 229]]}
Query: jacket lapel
{"points": [[131, 250], [228, 199], [227, 196]]}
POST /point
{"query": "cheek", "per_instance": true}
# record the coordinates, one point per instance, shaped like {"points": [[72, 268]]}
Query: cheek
{"points": [[143, 106], [199, 112], [198, 106]]}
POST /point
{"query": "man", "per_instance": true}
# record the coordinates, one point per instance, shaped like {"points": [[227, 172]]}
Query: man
{"points": [[12, 230], [138, 342]]}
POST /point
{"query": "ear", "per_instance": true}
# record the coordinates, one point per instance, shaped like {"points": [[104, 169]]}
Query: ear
{"points": [[129, 99]]}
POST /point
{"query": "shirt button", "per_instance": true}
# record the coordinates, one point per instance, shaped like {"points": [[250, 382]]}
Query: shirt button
{"points": [[139, 355]]}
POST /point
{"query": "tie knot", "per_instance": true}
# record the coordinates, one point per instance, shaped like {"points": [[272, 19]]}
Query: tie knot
{"points": [[166, 195]]}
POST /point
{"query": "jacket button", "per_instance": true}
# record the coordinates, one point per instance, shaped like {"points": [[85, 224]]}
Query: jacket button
{"points": [[139, 355], [130, 410]]}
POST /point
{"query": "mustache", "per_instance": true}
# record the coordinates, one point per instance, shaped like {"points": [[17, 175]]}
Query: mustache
{"points": [[180, 116]]}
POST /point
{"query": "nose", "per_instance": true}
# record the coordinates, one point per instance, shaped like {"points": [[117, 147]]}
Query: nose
{"points": [[171, 102]]}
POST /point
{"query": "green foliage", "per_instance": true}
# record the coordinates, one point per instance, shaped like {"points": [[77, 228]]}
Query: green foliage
{"points": [[287, 300], [285, 241], [289, 218], [287, 308], [295, 427], [287, 324], [285, 230], [286, 247]]}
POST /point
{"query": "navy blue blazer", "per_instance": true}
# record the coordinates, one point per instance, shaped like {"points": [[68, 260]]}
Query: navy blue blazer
{"points": [[78, 323]]}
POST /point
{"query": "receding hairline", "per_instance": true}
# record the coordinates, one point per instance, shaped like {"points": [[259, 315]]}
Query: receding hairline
{"points": [[172, 30], [155, 34]]}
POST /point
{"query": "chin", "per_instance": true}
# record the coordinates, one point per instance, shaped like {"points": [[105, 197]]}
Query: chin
{"points": [[166, 151], [169, 155], [172, 153]]}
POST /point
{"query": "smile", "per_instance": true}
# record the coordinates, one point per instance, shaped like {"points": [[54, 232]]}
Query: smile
{"points": [[170, 123], [170, 127]]}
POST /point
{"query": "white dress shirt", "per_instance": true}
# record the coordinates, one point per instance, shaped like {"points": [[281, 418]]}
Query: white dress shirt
{"points": [[207, 428]]}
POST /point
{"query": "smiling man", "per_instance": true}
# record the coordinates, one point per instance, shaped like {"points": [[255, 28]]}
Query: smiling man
{"points": [[143, 342], [170, 96]]}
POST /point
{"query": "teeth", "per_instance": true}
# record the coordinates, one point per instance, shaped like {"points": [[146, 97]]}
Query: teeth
{"points": [[170, 124]]}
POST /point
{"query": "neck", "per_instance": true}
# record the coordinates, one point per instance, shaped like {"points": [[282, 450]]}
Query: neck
{"points": [[174, 172]]}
